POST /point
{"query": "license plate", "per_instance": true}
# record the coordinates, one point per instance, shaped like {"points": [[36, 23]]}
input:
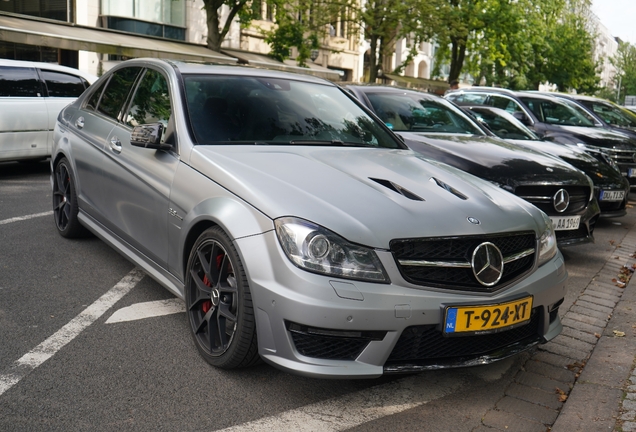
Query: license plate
{"points": [[564, 223], [612, 195], [631, 172], [463, 320]]}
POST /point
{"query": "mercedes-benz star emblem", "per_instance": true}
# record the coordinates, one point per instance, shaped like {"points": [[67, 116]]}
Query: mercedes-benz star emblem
{"points": [[561, 200], [215, 296], [487, 264]]}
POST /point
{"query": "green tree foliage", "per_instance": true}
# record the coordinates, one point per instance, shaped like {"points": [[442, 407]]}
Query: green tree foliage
{"points": [[454, 24], [383, 23], [625, 63], [513, 43], [217, 30], [302, 25]]}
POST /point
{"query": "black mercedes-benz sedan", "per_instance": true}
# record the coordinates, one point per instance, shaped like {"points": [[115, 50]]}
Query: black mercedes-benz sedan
{"points": [[440, 131], [611, 188]]}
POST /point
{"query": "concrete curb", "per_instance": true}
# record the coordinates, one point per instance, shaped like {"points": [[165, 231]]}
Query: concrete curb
{"points": [[576, 382]]}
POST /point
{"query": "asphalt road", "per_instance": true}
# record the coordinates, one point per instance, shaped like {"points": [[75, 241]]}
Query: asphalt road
{"points": [[63, 368]]}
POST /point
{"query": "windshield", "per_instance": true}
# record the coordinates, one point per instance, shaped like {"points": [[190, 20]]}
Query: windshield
{"points": [[403, 111], [612, 114], [503, 124], [255, 110], [559, 112]]}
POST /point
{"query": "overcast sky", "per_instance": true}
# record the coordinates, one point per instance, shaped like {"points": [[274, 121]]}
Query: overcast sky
{"points": [[619, 16]]}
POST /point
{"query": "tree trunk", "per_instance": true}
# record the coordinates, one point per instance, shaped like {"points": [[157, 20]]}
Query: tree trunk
{"points": [[458, 53], [373, 59], [212, 21]]}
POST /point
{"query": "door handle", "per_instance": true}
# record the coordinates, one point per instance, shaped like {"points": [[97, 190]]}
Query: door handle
{"points": [[115, 144], [79, 123]]}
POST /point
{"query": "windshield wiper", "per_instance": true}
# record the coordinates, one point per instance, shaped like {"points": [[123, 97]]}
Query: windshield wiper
{"points": [[328, 142]]}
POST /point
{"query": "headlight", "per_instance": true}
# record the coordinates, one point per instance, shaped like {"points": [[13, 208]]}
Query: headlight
{"points": [[547, 243], [600, 154], [592, 190], [316, 249]]}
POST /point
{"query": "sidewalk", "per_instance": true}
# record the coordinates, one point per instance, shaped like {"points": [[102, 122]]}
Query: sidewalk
{"points": [[577, 382]]}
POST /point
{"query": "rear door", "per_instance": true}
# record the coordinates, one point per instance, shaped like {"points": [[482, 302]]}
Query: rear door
{"points": [[23, 115], [61, 89]]}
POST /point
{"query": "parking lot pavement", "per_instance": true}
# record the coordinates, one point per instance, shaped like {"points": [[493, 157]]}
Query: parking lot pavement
{"points": [[583, 380]]}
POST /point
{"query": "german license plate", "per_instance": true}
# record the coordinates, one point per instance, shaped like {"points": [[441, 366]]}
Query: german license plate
{"points": [[612, 195], [463, 320], [631, 172], [564, 223]]}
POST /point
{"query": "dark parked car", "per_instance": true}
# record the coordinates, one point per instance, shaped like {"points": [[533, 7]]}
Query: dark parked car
{"points": [[611, 188], [439, 130], [610, 115], [556, 119], [298, 229]]}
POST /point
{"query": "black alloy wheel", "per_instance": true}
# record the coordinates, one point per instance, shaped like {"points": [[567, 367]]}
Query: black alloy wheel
{"points": [[218, 303], [65, 207]]}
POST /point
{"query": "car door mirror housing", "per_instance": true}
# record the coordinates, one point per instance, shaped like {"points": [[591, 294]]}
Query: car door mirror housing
{"points": [[522, 117], [149, 136]]}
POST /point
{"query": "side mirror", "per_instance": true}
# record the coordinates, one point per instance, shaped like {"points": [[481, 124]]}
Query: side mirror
{"points": [[522, 117], [149, 136]]}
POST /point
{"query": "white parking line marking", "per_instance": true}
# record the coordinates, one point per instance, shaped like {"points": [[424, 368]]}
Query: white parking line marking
{"points": [[357, 408], [21, 218], [41, 353], [151, 309]]}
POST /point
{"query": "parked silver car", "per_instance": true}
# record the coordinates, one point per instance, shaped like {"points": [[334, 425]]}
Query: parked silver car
{"points": [[276, 206]]}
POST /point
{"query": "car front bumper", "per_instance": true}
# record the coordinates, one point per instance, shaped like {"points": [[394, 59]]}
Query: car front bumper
{"points": [[349, 329]]}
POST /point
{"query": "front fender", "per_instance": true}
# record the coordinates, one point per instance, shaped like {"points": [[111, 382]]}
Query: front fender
{"points": [[198, 203]]}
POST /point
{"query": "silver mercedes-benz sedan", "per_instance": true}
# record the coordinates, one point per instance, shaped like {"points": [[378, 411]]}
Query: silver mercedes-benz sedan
{"points": [[297, 227]]}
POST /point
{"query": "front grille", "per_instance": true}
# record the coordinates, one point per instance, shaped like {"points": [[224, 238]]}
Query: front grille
{"points": [[541, 196], [460, 249], [330, 348], [622, 156], [427, 343], [608, 206], [579, 234]]}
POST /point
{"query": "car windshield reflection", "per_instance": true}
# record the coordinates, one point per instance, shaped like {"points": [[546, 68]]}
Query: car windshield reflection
{"points": [[267, 111], [406, 112]]}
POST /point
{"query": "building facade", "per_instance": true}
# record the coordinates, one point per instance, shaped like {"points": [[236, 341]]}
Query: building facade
{"points": [[93, 35]]}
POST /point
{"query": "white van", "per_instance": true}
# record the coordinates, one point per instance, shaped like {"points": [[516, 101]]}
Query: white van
{"points": [[32, 94]]}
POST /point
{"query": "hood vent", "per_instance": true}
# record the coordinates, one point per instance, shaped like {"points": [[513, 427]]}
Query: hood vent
{"points": [[448, 188], [397, 188]]}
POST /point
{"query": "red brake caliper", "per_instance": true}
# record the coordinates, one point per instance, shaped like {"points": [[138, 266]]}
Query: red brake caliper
{"points": [[208, 303]]}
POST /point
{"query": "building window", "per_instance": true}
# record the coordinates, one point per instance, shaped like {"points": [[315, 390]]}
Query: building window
{"points": [[51, 9], [156, 11], [160, 18]]}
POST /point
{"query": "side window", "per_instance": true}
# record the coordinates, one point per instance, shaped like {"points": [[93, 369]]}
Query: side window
{"points": [[94, 99], [116, 92], [504, 103], [19, 82], [61, 84], [535, 107], [468, 98], [151, 103]]}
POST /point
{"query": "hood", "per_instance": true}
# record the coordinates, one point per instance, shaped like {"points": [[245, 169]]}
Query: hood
{"points": [[602, 174], [496, 160], [596, 136], [367, 195]]}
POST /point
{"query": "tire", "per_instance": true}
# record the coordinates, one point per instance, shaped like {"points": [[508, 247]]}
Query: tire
{"points": [[65, 207], [219, 303]]}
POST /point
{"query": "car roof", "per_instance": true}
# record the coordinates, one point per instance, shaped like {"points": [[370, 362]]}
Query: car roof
{"points": [[379, 88], [225, 69], [482, 89], [50, 66]]}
